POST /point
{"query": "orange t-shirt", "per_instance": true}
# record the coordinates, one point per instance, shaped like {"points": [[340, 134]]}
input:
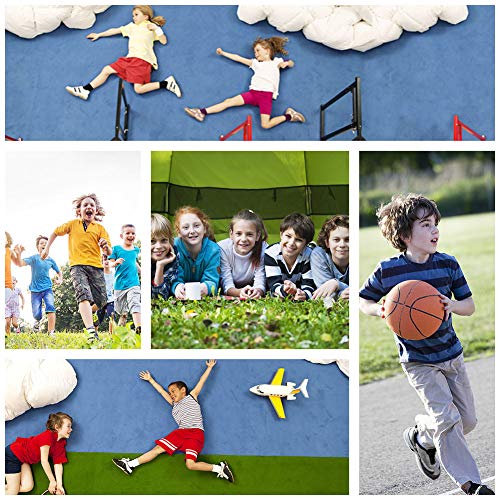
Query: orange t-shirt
{"points": [[8, 272]]}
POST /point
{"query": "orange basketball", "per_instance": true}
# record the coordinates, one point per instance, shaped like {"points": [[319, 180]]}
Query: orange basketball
{"points": [[413, 310]]}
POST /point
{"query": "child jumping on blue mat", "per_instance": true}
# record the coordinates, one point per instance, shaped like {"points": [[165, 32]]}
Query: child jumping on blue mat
{"points": [[263, 86], [137, 65], [189, 437]]}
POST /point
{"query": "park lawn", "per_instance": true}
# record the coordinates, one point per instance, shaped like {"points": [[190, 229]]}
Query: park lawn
{"points": [[123, 338], [95, 474], [470, 239], [268, 323]]}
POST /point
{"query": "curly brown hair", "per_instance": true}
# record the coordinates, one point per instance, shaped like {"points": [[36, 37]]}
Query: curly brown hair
{"points": [[100, 212], [147, 10], [56, 420], [205, 219], [396, 218], [275, 45], [330, 225]]}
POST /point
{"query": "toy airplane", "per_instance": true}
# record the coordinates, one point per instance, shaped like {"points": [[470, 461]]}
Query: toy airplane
{"points": [[275, 391]]}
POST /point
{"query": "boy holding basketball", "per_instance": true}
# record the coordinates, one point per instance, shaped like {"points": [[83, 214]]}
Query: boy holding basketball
{"points": [[434, 366]]}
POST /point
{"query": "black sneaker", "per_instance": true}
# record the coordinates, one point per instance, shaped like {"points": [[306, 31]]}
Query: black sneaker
{"points": [[226, 472], [479, 489], [426, 459], [122, 464], [92, 336]]}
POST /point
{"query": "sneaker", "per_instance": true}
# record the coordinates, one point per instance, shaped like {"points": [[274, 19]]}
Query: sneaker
{"points": [[79, 92], [36, 326], [92, 336], [52, 333], [296, 116], [122, 463], [195, 113], [225, 473], [173, 86], [426, 459], [479, 489]]}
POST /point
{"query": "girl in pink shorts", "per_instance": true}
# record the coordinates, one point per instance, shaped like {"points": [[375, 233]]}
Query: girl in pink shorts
{"points": [[263, 86], [137, 65]]}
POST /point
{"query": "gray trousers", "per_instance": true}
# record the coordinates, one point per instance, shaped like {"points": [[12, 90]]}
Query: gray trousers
{"points": [[446, 393]]}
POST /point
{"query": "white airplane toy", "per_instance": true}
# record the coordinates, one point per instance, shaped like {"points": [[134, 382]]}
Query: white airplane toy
{"points": [[275, 391]]}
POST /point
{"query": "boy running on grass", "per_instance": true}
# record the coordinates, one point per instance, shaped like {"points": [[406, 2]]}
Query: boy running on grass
{"points": [[189, 437], [87, 238], [41, 284], [127, 286], [434, 366]]}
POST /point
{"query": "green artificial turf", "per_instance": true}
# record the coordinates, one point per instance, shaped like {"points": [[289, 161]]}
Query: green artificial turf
{"points": [[470, 239], [95, 474]]}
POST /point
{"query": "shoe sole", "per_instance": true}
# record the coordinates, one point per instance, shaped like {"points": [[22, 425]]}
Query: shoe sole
{"points": [[423, 470], [123, 470], [192, 115]]}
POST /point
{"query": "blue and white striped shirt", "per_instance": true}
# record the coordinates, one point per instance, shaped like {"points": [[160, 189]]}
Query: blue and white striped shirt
{"points": [[443, 272], [187, 413]]}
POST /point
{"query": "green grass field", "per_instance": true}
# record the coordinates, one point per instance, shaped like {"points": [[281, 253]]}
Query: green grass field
{"points": [[470, 239], [268, 323], [95, 474], [122, 338]]}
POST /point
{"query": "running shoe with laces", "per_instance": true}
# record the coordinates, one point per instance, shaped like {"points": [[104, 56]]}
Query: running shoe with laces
{"points": [[173, 86], [122, 464], [479, 489], [225, 472], [295, 115], [426, 459], [195, 113], [79, 92]]}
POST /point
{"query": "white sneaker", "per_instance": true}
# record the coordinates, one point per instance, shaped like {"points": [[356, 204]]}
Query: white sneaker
{"points": [[173, 86], [122, 463], [79, 92]]}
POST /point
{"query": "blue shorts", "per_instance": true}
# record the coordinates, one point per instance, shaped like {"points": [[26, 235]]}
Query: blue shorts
{"points": [[12, 463], [36, 303]]}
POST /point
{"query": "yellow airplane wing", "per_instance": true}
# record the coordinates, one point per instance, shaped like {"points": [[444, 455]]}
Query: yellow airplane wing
{"points": [[278, 405], [278, 377]]}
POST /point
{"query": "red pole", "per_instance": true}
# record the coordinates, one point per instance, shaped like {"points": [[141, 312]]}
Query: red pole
{"points": [[457, 130], [246, 126]]}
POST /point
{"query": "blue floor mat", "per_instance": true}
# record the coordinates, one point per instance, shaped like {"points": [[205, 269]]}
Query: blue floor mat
{"points": [[411, 88]]}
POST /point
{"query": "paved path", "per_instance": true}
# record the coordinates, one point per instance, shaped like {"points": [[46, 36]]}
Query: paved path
{"points": [[387, 467]]}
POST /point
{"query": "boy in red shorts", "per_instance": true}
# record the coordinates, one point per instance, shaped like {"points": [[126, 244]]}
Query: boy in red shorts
{"points": [[189, 437]]}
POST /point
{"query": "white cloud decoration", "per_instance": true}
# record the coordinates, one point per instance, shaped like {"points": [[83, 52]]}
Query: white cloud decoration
{"points": [[357, 27], [29, 21], [33, 383]]}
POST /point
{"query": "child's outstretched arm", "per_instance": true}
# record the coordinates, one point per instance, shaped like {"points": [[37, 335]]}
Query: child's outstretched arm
{"points": [[110, 32], [44, 461], [145, 375], [162, 38], [199, 386], [45, 251], [286, 64], [371, 307], [58, 469], [234, 57]]}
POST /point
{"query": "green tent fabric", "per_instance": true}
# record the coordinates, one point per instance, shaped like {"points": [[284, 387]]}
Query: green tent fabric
{"points": [[273, 184]]}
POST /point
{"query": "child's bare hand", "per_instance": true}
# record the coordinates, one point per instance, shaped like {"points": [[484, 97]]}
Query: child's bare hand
{"points": [[44, 254], [344, 294], [180, 292], [448, 304], [93, 36], [381, 310], [119, 261], [211, 363], [19, 249], [145, 375], [103, 243], [289, 287], [169, 258], [60, 490], [219, 51], [300, 295], [326, 289]]}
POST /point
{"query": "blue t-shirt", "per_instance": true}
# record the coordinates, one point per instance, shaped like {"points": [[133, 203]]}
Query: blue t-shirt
{"points": [[443, 272], [126, 275], [40, 277]]}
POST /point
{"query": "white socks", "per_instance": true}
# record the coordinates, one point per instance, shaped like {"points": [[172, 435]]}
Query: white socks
{"points": [[133, 463], [216, 468]]}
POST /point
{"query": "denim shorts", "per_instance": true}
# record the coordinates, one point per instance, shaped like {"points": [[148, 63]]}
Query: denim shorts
{"points": [[36, 303], [12, 463]]}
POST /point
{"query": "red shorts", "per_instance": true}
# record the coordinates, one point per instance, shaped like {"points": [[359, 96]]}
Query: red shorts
{"points": [[190, 441], [132, 69], [260, 98]]}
